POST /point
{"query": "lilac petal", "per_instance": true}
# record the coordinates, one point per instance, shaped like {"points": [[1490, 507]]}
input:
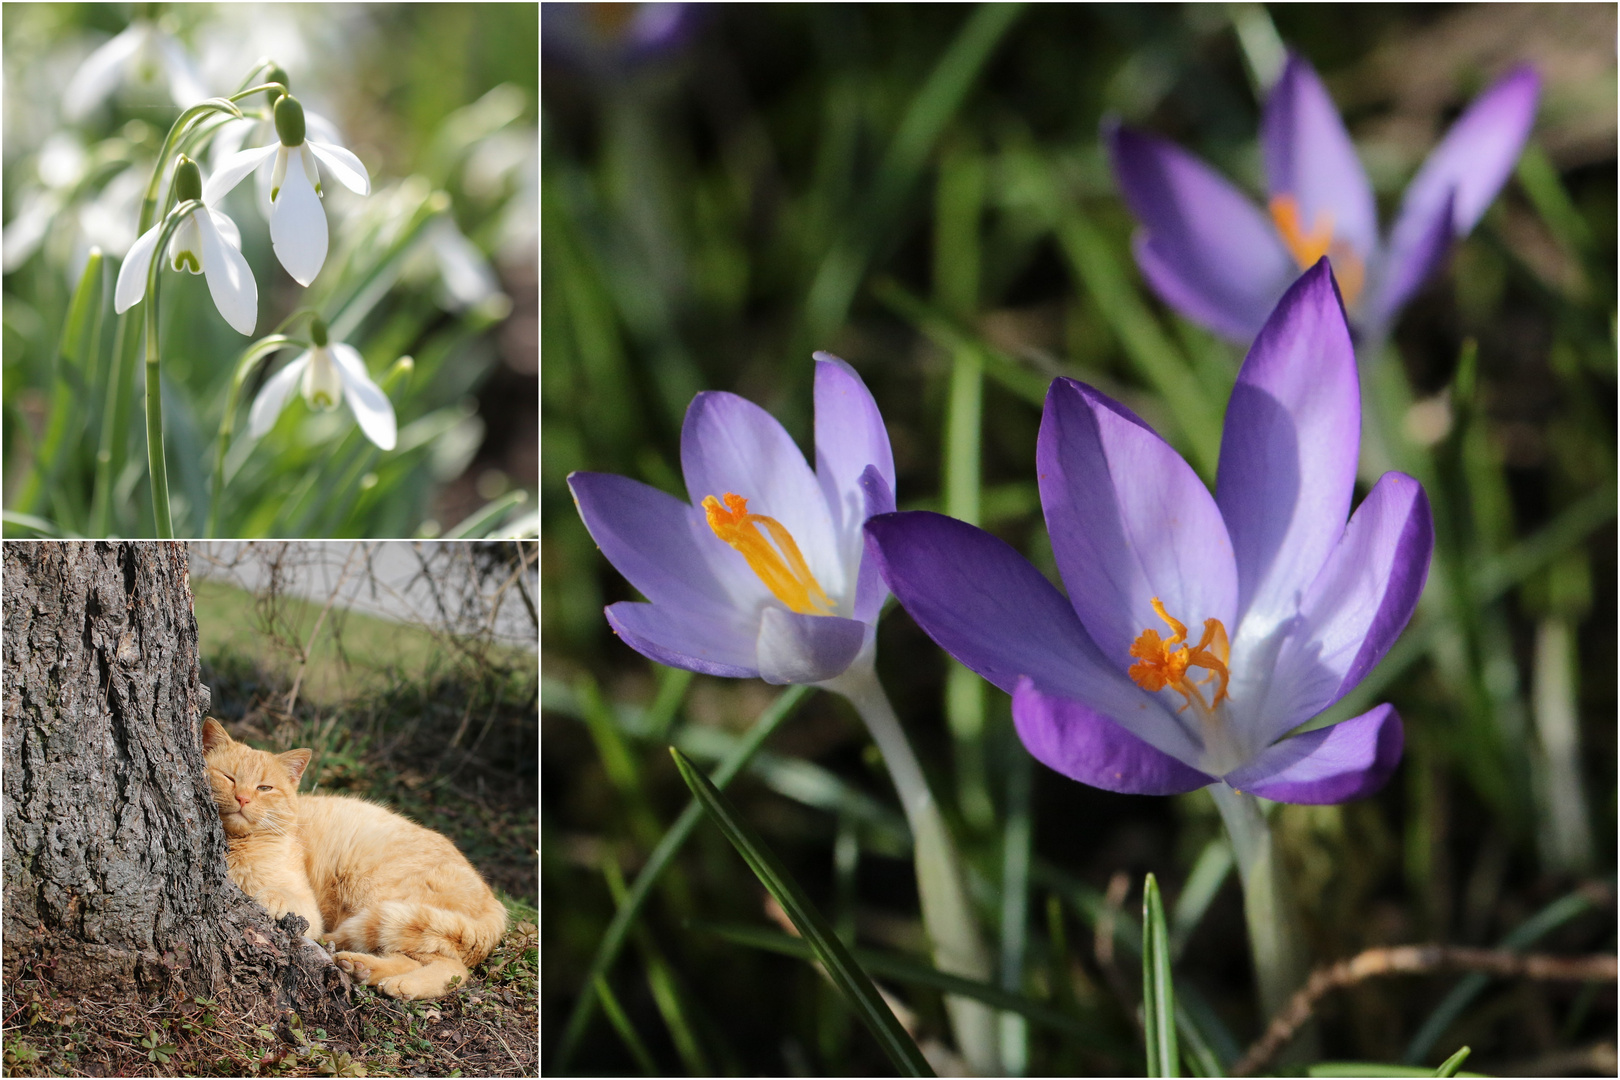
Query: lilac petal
{"points": [[850, 436], [1288, 450], [1417, 247], [793, 648], [1334, 764], [1129, 521], [1356, 608], [709, 645], [983, 603], [1087, 746], [664, 547], [1206, 250], [1309, 155], [1477, 154], [870, 591], [729, 444]]}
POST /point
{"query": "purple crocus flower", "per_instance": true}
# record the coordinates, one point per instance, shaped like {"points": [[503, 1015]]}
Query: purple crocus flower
{"points": [[1211, 254], [760, 574], [1198, 631]]}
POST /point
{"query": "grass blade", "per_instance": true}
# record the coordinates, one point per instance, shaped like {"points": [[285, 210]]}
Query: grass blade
{"points": [[627, 1032], [659, 861], [1158, 995], [1454, 1062], [482, 520], [857, 988]]}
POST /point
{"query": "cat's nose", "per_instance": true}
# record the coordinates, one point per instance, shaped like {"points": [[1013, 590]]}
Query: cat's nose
{"points": [[242, 800]]}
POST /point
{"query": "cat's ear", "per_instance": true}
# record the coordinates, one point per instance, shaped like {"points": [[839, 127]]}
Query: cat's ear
{"points": [[295, 762], [213, 735]]}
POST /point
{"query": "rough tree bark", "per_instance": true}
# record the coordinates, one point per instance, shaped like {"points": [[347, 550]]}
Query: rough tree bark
{"points": [[114, 858]]}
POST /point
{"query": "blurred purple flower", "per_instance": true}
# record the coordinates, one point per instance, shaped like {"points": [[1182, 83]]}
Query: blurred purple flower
{"points": [[1212, 255], [1110, 686], [760, 574], [607, 36]]}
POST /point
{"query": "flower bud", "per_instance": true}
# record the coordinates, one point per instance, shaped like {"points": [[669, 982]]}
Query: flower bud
{"points": [[290, 121], [187, 180], [317, 332], [276, 75]]}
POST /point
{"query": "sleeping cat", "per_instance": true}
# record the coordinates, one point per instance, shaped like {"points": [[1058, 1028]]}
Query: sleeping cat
{"points": [[406, 911]]}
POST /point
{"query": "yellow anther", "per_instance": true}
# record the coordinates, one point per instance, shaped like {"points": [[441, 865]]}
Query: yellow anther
{"points": [[1160, 664], [782, 568], [1308, 247]]}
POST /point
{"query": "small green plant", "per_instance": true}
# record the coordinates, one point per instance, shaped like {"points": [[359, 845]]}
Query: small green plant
{"points": [[158, 1050]]}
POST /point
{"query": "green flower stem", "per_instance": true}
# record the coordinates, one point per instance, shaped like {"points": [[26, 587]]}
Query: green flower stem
{"points": [[941, 884], [227, 423], [1281, 963], [157, 467]]}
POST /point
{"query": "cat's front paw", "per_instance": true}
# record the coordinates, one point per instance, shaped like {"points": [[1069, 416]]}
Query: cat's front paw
{"points": [[355, 965]]}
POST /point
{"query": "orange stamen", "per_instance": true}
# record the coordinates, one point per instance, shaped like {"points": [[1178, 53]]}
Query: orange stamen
{"points": [[782, 569], [1308, 247], [1160, 663]]}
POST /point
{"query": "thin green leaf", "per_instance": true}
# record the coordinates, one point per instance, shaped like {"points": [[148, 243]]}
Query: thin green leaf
{"points": [[902, 969], [1158, 995], [481, 521], [1453, 1063], [607, 950], [627, 1032], [1370, 1068], [862, 997], [1209, 873]]}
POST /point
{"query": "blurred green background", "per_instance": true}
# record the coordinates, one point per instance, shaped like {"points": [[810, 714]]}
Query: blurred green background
{"points": [[922, 190], [438, 263]]}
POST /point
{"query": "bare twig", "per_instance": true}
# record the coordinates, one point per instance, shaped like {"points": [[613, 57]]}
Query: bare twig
{"points": [[1416, 960]]}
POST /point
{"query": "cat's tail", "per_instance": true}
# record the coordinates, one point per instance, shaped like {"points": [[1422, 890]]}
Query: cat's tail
{"points": [[424, 931]]}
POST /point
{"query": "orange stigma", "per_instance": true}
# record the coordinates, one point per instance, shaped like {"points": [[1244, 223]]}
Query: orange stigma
{"points": [[1160, 664], [1308, 247], [782, 568]]}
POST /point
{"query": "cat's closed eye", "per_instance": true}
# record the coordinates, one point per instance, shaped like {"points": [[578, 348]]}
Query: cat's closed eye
{"points": [[266, 787]]}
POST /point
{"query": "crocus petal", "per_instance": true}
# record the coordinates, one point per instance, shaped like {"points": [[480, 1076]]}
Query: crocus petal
{"points": [[1087, 746], [298, 224], [227, 228], [870, 591], [230, 281], [273, 396], [1416, 249], [850, 438], [664, 547], [1329, 765], [344, 165], [232, 169], [1288, 450], [1356, 608], [729, 444], [1478, 153], [371, 407], [1129, 521], [1206, 249], [1309, 155], [706, 644], [983, 603], [131, 285], [100, 72], [793, 648]]}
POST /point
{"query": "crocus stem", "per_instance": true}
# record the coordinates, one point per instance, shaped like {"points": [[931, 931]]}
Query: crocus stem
{"points": [[1280, 960], [941, 885]]}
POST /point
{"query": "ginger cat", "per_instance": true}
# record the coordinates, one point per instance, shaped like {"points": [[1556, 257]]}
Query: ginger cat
{"points": [[406, 911]]}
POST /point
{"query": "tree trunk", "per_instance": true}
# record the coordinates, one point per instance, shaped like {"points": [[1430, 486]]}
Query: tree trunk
{"points": [[114, 856]]}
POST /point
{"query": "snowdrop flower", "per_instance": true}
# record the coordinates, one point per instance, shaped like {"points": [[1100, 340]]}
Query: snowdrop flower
{"points": [[143, 51], [760, 574], [253, 131], [327, 373], [206, 242], [1211, 254], [1198, 630], [297, 222]]}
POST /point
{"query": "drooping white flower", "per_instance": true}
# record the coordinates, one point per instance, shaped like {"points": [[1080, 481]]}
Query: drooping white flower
{"points": [[253, 131], [297, 222], [146, 52], [327, 373], [206, 242]]}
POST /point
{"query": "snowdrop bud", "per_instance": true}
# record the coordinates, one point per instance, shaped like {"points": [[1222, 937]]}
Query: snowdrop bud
{"points": [[276, 75], [317, 332], [290, 121], [187, 180]]}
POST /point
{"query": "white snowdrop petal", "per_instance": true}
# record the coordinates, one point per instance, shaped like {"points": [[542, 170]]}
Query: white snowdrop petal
{"points": [[369, 404], [344, 165], [230, 281], [298, 226], [273, 396], [131, 284], [232, 169], [100, 72]]}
